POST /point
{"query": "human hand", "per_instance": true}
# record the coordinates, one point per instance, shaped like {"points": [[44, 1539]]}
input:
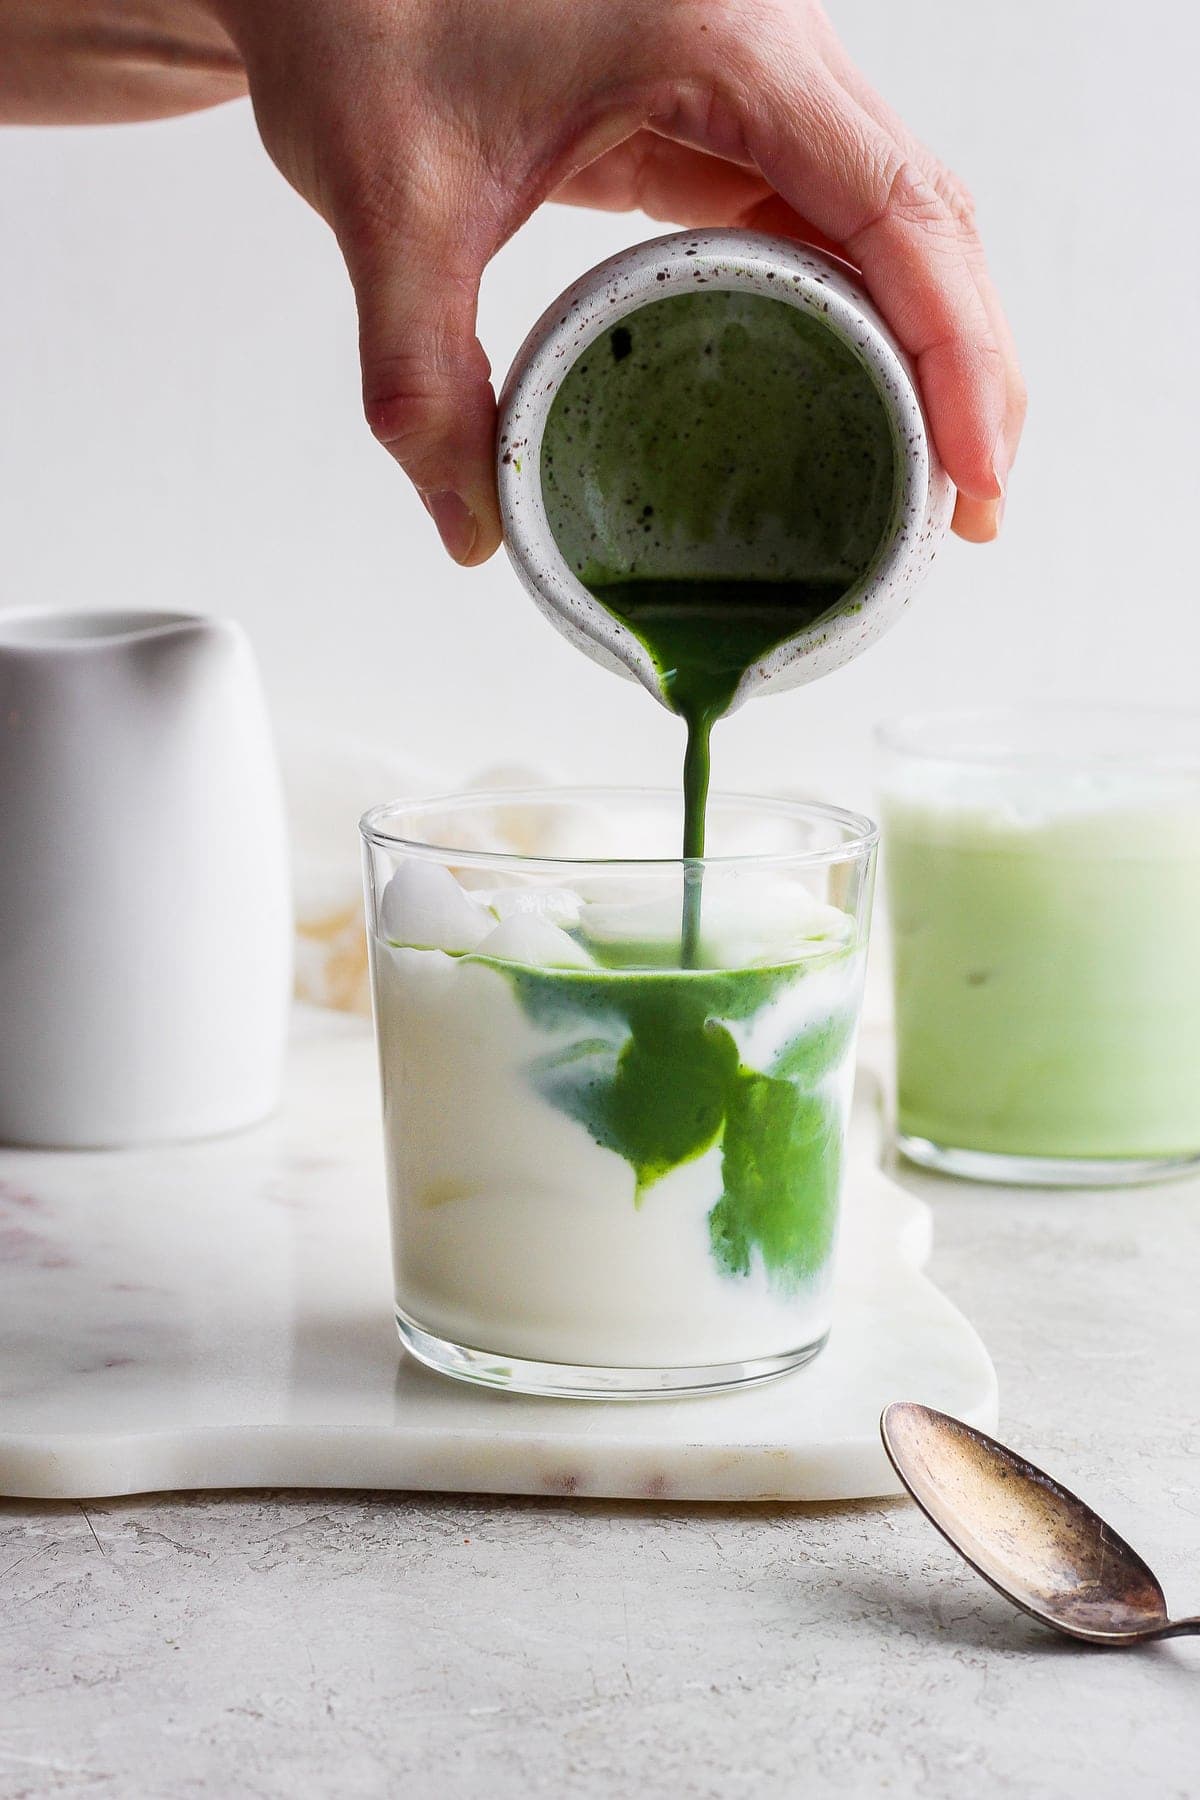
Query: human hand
{"points": [[103, 62], [427, 131]]}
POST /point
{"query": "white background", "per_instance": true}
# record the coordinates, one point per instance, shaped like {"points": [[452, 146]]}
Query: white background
{"points": [[179, 417]]}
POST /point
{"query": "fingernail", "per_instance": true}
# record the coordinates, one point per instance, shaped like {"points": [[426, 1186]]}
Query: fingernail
{"points": [[455, 521], [1000, 467]]}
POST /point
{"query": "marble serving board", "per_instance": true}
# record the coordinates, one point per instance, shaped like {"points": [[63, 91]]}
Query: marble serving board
{"points": [[218, 1315]]}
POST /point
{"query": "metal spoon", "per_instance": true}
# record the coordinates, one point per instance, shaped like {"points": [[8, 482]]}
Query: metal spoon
{"points": [[1035, 1542]]}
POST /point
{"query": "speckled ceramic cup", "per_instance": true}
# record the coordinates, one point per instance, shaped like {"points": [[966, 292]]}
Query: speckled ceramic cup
{"points": [[719, 405]]}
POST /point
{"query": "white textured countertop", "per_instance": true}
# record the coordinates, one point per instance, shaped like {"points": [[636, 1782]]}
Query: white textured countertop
{"points": [[340, 1644]]}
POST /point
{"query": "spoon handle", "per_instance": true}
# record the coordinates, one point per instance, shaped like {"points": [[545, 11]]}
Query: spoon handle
{"points": [[1180, 1628]]}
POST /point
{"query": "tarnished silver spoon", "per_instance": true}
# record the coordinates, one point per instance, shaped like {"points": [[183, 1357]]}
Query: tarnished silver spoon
{"points": [[1035, 1542]]}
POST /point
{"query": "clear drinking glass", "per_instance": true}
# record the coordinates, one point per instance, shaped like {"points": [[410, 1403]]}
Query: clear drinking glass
{"points": [[1043, 877], [609, 1173]]}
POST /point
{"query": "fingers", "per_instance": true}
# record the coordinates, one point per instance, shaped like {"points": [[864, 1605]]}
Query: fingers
{"points": [[675, 182], [838, 167], [667, 181], [427, 392], [775, 215], [913, 263], [366, 111], [974, 519]]}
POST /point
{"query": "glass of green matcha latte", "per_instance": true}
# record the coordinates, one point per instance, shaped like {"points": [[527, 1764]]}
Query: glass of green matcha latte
{"points": [[1043, 877], [615, 1081]]}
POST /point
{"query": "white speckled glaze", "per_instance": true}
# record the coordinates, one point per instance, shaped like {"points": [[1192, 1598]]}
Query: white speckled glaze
{"points": [[735, 261]]}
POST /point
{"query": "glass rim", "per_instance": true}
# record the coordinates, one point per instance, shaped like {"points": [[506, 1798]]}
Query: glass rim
{"points": [[928, 736], [862, 832]]}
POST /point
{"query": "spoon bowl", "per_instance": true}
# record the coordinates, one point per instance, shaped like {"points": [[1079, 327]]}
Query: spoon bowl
{"points": [[1036, 1543]]}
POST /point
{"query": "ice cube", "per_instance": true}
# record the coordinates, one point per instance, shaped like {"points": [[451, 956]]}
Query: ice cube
{"points": [[525, 938], [743, 922], [423, 908], [765, 923], [647, 913], [557, 905]]}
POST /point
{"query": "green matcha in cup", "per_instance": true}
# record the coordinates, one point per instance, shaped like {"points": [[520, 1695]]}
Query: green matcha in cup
{"points": [[1043, 879]]}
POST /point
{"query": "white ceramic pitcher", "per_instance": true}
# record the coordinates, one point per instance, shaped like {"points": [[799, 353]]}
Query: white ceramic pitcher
{"points": [[145, 938]]}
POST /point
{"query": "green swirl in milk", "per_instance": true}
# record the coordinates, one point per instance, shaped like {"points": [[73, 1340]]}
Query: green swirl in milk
{"points": [[647, 1063]]}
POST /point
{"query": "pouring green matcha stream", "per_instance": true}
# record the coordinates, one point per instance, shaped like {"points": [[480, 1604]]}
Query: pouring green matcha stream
{"points": [[703, 636], [715, 475], [719, 471]]}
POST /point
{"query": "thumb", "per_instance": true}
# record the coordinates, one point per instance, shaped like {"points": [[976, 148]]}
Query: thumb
{"points": [[427, 390]]}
